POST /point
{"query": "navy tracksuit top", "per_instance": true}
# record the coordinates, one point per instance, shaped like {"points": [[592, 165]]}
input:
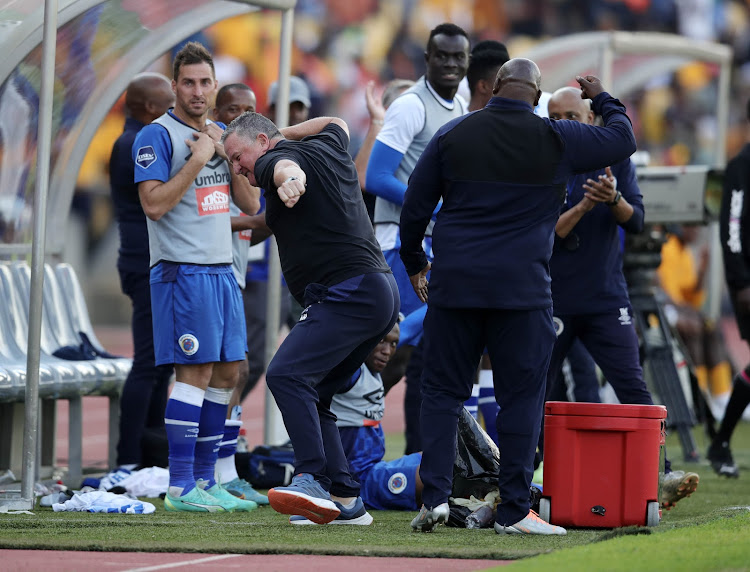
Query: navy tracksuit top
{"points": [[501, 172], [586, 266], [131, 221]]}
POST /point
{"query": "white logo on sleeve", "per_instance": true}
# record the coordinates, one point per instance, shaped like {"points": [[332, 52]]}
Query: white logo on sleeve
{"points": [[735, 221], [188, 344], [624, 317], [145, 156]]}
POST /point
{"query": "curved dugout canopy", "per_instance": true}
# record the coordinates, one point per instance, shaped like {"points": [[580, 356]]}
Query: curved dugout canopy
{"points": [[101, 45], [628, 61], [64, 65]]}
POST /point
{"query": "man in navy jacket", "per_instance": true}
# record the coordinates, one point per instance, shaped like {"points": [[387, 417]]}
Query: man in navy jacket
{"points": [[501, 173]]}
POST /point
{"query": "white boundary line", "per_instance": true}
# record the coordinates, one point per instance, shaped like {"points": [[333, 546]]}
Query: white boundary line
{"points": [[182, 563]]}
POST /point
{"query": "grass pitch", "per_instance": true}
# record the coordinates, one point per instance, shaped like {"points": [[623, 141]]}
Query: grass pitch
{"points": [[708, 531]]}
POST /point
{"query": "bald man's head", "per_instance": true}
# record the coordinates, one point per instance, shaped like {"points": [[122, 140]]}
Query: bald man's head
{"points": [[566, 103], [148, 96], [520, 79]]}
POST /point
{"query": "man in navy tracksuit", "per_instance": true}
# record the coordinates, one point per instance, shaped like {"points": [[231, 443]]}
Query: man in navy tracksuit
{"points": [[589, 292], [501, 173], [144, 395]]}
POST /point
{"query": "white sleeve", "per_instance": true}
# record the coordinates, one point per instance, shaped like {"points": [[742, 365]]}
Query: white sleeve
{"points": [[403, 120], [460, 100]]}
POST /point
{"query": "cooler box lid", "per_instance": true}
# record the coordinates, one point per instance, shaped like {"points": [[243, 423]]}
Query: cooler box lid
{"points": [[605, 410]]}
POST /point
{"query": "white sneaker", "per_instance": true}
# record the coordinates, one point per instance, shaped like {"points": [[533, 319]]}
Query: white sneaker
{"points": [[531, 524], [427, 518]]}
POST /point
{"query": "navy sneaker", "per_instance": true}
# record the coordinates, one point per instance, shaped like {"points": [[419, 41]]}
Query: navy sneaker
{"points": [[356, 515], [721, 460], [304, 497]]}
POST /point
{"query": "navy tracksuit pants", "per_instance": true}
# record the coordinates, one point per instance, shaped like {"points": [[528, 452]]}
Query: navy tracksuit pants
{"points": [[611, 340], [340, 326], [519, 344], [144, 395]]}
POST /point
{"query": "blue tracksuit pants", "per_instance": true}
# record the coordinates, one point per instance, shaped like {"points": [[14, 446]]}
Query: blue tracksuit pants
{"points": [[519, 344], [339, 327]]}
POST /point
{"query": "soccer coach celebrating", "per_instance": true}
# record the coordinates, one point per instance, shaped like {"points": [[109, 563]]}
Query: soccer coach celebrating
{"points": [[501, 173]]}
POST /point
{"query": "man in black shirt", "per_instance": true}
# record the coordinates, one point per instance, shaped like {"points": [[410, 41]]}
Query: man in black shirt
{"points": [[334, 268], [144, 395], [735, 242]]}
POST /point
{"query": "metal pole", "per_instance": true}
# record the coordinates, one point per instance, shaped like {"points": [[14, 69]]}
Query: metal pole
{"points": [[715, 278], [273, 433], [41, 186]]}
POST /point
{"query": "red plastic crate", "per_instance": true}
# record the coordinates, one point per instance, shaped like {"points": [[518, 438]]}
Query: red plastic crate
{"points": [[601, 464]]}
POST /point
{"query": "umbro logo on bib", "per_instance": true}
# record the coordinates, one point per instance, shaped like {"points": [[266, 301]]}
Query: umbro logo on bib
{"points": [[145, 156]]}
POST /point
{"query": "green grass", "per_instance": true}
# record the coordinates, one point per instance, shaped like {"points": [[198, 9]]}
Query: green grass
{"points": [[721, 544], [698, 533]]}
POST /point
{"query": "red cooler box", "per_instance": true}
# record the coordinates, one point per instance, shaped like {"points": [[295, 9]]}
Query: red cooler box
{"points": [[601, 464]]}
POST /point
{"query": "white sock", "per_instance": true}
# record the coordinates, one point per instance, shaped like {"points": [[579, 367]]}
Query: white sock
{"points": [[226, 470]]}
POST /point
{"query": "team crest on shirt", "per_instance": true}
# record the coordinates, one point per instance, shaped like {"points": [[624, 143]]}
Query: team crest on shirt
{"points": [[188, 344], [397, 483], [624, 317], [145, 156]]}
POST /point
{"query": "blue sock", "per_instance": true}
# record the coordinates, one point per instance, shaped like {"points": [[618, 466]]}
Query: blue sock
{"points": [[181, 419], [471, 404], [226, 470], [487, 404], [213, 415]]}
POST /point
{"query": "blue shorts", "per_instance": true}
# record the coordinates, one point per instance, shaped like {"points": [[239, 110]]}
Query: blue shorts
{"points": [[392, 485], [197, 313], [411, 327]]}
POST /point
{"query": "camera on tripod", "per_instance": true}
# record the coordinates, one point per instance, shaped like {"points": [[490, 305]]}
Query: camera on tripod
{"points": [[671, 195]]}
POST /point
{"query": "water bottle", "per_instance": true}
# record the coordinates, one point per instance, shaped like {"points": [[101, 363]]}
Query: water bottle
{"points": [[480, 518], [242, 441]]}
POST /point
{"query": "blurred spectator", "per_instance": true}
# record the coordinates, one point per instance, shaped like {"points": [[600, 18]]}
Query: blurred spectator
{"points": [[682, 279]]}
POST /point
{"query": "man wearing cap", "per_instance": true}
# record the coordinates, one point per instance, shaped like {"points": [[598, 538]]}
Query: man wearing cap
{"points": [[299, 100]]}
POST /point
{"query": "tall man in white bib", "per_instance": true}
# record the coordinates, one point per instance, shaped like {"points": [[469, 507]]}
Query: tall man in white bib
{"points": [[184, 183]]}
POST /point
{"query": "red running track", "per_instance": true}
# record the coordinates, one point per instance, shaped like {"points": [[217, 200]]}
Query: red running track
{"points": [[70, 561]]}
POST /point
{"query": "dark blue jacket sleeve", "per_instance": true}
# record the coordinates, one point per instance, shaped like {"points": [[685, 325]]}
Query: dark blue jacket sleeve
{"points": [[422, 196], [588, 147], [627, 184]]}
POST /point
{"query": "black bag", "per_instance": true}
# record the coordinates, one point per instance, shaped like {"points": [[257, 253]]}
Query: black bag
{"points": [[266, 467], [477, 463]]}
